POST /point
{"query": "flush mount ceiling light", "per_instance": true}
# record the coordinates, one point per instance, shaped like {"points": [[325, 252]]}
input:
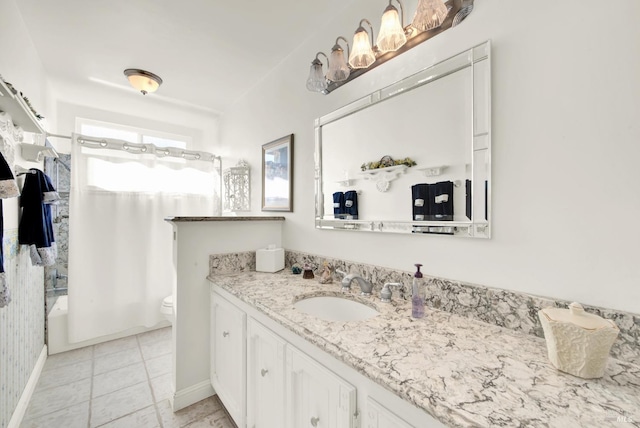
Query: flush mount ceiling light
{"points": [[143, 81], [431, 18]]}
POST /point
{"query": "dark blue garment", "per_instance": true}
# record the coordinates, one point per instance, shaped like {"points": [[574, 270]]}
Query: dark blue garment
{"points": [[351, 204], [338, 205], [36, 226], [442, 201], [420, 201]]}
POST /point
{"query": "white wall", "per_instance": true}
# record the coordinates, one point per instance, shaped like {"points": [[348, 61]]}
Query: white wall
{"points": [[21, 66], [91, 100], [566, 103]]}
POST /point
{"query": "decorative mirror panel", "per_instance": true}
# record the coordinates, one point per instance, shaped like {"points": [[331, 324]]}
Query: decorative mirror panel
{"points": [[414, 157]]}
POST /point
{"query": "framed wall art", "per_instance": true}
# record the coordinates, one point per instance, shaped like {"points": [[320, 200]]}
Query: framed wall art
{"points": [[277, 175]]}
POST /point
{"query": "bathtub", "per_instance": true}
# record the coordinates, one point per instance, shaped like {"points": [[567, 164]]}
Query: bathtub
{"points": [[58, 333]]}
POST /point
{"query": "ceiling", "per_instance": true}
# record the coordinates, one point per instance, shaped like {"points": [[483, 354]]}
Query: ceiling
{"points": [[208, 52]]}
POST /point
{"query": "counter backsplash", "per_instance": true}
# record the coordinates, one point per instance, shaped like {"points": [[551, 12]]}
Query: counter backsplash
{"points": [[513, 310]]}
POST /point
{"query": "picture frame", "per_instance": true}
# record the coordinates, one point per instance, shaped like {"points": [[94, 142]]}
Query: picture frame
{"points": [[277, 175]]}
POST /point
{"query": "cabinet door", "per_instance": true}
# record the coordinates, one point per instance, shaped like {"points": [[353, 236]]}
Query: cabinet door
{"points": [[316, 397], [228, 356], [265, 377], [378, 416]]}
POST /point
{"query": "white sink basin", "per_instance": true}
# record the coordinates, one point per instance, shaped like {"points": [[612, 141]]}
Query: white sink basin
{"points": [[331, 308]]}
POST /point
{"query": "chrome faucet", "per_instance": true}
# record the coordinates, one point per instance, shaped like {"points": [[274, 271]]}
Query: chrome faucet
{"points": [[365, 286]]}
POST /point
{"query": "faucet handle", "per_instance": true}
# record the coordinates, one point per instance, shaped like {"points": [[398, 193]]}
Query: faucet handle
{"points": [[385, 293], [341, 272]]}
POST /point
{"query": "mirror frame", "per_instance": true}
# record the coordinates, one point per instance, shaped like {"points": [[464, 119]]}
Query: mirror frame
{"points": [[480, 136]]}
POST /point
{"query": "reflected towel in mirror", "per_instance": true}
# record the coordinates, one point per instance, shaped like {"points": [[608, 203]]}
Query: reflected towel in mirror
{"points": [[351, 204]]}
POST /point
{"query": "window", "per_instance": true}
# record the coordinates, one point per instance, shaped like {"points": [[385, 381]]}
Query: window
{"points": [[121, 171]]}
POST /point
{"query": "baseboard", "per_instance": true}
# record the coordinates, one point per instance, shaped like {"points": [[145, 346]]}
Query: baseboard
{"points": [[191, 395], [25, 398]]}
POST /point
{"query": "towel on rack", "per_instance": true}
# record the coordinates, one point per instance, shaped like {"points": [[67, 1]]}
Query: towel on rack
{"points": [[420, 201], [351, 205], [338, 205], [36, 226], [441, 203], [8, 189]]}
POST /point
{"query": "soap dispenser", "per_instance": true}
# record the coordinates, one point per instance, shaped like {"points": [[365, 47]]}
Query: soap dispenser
{"points": [[418, 294]]}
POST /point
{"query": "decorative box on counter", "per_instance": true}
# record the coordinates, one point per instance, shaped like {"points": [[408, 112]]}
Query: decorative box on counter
{"points": [[578, 342], [270, 259]]}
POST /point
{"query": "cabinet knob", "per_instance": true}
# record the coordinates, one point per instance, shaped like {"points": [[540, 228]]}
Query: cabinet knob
{"points": [[264, 372], [225, 333], [314, 421]]}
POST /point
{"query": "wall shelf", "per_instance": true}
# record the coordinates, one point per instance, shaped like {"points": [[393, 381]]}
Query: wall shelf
{"points": [[17, 108]]}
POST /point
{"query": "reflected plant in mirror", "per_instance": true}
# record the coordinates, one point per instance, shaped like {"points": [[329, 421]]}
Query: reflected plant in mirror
{"points": [[442, 117]]}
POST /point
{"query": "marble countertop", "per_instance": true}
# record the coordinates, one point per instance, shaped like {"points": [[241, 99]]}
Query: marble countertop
{"points": [[465, 373]]}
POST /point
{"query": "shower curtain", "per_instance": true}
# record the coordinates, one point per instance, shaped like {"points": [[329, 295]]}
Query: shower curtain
{"points": [[120, 247]]}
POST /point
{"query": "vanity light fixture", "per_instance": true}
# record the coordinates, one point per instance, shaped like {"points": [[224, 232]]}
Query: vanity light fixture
{"points": [[338, 68], [429, 15], [362, 55], [317, 82], [143, 81], [432, 17], [391, 36]]}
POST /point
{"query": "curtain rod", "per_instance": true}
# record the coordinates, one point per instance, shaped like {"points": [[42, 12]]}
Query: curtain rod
{"points": [[139, 148]]}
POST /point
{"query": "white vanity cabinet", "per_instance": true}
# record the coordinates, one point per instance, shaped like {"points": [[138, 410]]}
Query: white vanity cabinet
{"points": [[265, 377], [316, 397], [228, 356], [378, 416]]}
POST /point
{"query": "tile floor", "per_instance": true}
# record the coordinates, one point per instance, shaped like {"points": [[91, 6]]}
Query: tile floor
{"points": [[124, 383]]}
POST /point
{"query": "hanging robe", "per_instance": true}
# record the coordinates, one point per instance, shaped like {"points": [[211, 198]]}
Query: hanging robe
{"points": [[36, 226]]}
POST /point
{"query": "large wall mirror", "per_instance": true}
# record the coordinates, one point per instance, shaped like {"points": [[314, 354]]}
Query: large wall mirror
{"points": [[414, 157]]}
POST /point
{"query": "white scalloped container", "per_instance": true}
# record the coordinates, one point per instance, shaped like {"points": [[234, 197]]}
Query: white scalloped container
{"points": [[578, 342]]}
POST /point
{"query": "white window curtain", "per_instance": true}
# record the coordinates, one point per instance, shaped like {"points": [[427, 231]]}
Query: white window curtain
{"points": [[120, 246]]}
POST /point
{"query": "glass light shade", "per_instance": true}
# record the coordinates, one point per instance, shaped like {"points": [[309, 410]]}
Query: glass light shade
{"points": [[362, 55], [338, 68], [429, 14], [316, 81], [144, 81], [391, 36]]}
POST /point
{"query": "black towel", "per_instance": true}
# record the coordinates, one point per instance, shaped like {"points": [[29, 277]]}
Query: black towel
{"points": [[338, 205], [467, 186], [351, 205], [441, 203], [36, 228], [420, 201]]}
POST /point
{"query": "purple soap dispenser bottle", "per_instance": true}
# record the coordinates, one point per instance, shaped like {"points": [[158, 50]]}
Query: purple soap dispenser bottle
{"points": [[418, 294]]}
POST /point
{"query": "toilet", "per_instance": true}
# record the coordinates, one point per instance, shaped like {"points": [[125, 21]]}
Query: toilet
{"points": [[167, 308]]}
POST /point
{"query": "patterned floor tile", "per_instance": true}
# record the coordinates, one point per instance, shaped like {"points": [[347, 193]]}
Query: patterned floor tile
{"points": [[155, 349], [113, 346], [66, 358], [65, 374], [120, 403], [76, 416], [145, 418], [116, 360], [159, 366], [155, 335], [51, 400], [114, 380], [162, 387]]}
